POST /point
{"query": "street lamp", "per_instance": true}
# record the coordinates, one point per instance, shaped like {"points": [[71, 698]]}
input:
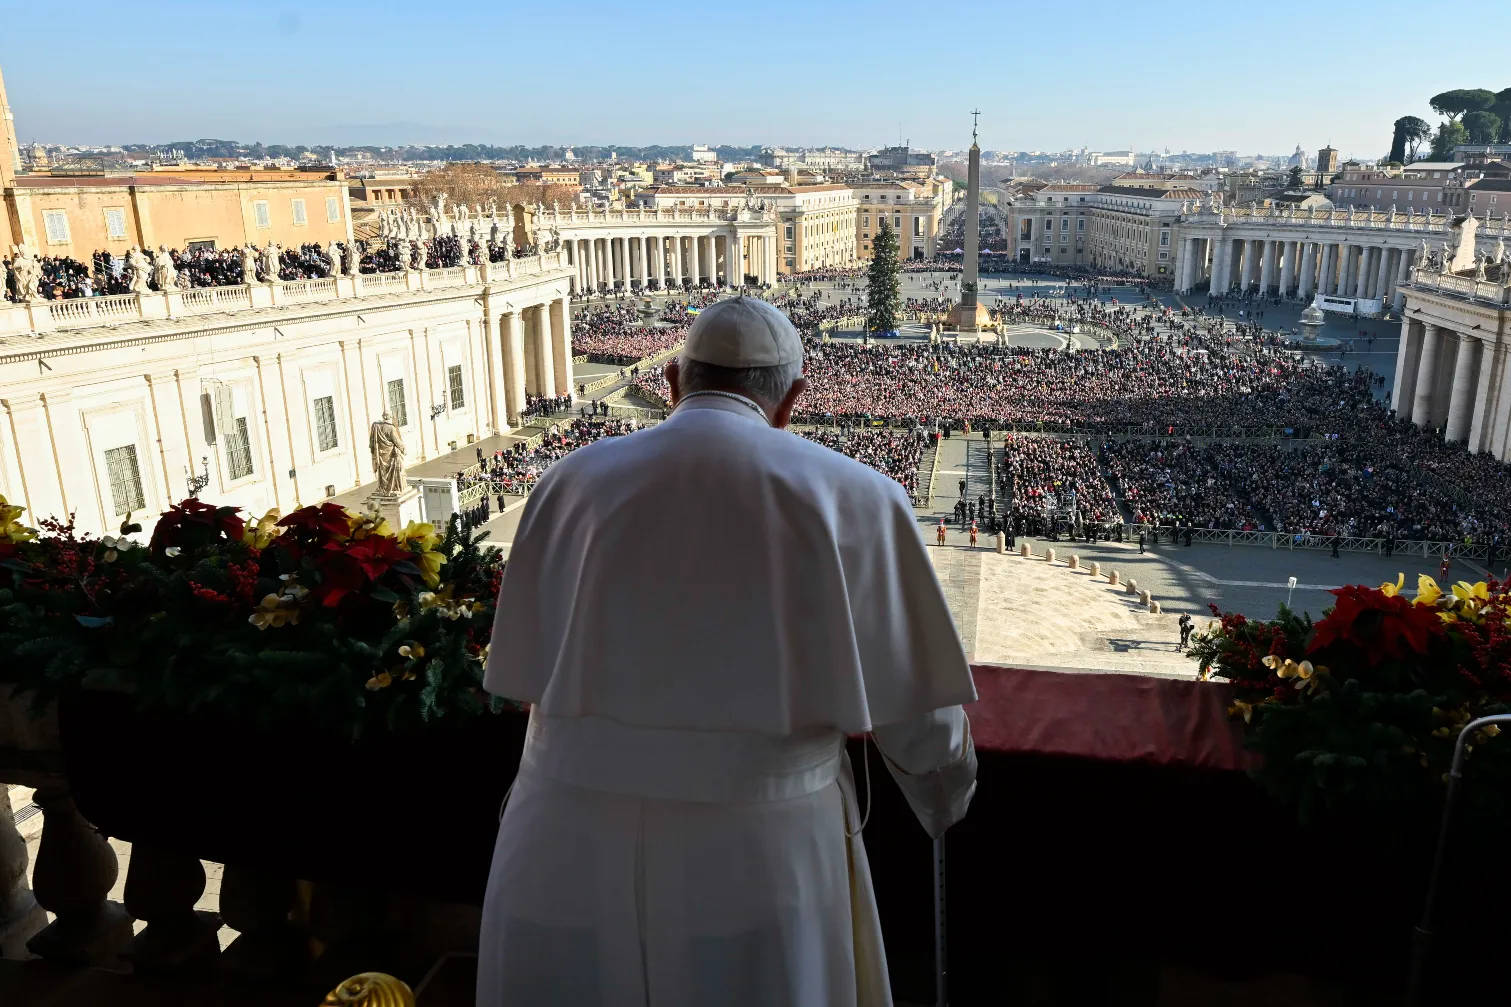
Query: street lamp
{"points": [[1290, 588]]}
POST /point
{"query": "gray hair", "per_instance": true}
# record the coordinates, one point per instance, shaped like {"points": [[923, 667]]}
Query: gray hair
{"points": [[767, 385]]}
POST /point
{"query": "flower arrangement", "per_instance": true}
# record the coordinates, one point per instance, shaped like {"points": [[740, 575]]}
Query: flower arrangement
{"points": [[1360, 711], [323, 617]]}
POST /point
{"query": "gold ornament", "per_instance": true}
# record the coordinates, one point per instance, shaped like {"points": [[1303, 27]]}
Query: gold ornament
{"points": [[371, 989]]}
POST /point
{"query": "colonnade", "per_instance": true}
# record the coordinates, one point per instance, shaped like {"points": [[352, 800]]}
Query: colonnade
{"points": [[529, 354], [1299, 267], [632, 261]]}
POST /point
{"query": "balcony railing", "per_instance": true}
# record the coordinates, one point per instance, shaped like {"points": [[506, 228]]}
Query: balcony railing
{"points": [[41, 316], [1466, 286], [1376, 220]]}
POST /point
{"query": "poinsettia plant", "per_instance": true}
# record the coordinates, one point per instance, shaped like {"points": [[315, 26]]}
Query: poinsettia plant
{"points": [[324, 617], [1361, 710]]}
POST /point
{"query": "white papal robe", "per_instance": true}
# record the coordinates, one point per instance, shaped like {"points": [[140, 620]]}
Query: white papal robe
{"points": [[699, 613]]}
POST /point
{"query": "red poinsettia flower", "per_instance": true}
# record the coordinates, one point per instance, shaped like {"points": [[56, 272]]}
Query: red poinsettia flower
{"points": [[327, 521], [346, 567], [1382, 626], [194, 524]]}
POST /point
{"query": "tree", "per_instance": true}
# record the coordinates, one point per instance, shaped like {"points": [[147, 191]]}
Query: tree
{"points": [[1450, 135], [882, 282], [475, 184], [1502, 108], [1483, 127], [1295, 181], [1452, 104], [1409, 135]]}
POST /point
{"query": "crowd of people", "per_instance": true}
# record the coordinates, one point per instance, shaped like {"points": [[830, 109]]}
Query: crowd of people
{"points": [[894, 453], [1043, 479], [515, 471], [614, 334]]}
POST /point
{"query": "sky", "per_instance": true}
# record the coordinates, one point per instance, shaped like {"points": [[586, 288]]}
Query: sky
{"points": [[1104, 75]]}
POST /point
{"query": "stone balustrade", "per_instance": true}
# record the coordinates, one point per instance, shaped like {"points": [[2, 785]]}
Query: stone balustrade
{"points": [[1465, 286], [1379, 220], [670, 214], [36, 317]]}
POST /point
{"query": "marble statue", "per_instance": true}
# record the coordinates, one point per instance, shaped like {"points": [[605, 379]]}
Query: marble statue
{"points": [[334, 255], [492, 207], [555, 238], [1392, 218], [353, 259], [387, 447], [508, 242], [415, 256], [1479, 266], [1443, 257], [270, 262], [1500, 251], [248, 264], [28, 272], [140, 268], [555, 209], [164, 273]]}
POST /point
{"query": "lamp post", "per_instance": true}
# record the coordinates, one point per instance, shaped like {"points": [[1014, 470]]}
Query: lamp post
{"points": [[1290, 589]]}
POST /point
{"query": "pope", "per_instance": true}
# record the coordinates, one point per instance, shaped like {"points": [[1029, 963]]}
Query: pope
{"points": [[698, 614]]}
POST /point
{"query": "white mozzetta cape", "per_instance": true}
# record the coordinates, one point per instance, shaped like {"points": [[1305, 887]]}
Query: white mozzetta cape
{"points": [[713, 573]]}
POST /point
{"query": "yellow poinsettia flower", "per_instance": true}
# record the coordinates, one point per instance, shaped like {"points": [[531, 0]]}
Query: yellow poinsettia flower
{"points": [[1240, 708], [363, 525], [1391, 590], [1428, 591], [430, 566], [260, 533], [381, 680], [422, 534], [1465, 591], [274, 612], [11, 528], [412, 650]]}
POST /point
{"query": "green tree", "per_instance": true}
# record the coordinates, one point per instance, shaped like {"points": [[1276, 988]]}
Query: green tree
{"points": [[1450, 135], [1452, 104], [1483, 127], [1410, 132], [1295, 180], [882, 282], [1502, 108]]}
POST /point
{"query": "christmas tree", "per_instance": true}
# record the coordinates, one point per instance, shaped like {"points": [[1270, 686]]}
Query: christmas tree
{"points": [[882, 283]]}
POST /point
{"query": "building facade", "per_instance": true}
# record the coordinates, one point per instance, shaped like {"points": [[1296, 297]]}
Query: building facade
{"points": [[267, 390], [1347, 260], [76, 216], [915, 211], [1452, 368], [724, 238]]}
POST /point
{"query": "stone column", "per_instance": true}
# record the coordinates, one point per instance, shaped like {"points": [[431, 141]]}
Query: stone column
{"points": [[711, 263], [1408, 355], [1325, 280], [676, 259], [1421, 400], [1182, 256], [1403, 274], [1461, 394], [1382, 273], [1482, 422], [561, 344], [538, 330], [1306, 268], [647, 262], [574, 282], [1214, 287], [511, 327], [622, 262], [1267, 250], [1363, 261], [1287, 267], [692, 259], [590, 263]]}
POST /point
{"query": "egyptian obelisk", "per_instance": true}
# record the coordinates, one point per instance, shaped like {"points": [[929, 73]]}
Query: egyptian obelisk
{"points": [[968, 315]]}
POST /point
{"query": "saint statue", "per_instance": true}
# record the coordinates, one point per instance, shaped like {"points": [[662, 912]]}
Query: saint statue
{"points": [[248, 264], [140, 268], [353, 259], [1479, 266], [334, 255], [1500, 251], [163, 271], [387, 447], [28, 272], [270, 262]]}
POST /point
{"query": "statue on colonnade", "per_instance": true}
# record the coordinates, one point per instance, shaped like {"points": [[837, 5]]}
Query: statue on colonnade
{"points": [[334, 255], [353, 258], [270, 264], [248, 264], [164, 273], [140, 268], [28, 272]]}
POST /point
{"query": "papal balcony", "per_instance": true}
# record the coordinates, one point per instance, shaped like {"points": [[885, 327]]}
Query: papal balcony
{"points": [[1116, 853]]}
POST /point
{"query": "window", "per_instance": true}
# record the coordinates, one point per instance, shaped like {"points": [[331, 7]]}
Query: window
{"points": [[1064, 223], [332, 209], [125, 480], [789, 232], [115, 222], [1164, 255], [1164, 239], [260, 213], [239, 449], [325, 423], [299, 217], [454, 381], [396, 405], [56, 224], [917, 227]]}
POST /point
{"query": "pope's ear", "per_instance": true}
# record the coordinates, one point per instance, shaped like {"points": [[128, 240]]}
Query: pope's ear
{"points": [[782, 415], [674, 379]]}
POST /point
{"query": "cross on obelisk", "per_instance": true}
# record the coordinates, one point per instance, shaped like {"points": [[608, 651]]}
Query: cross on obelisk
{"points": [[967, 316]]}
